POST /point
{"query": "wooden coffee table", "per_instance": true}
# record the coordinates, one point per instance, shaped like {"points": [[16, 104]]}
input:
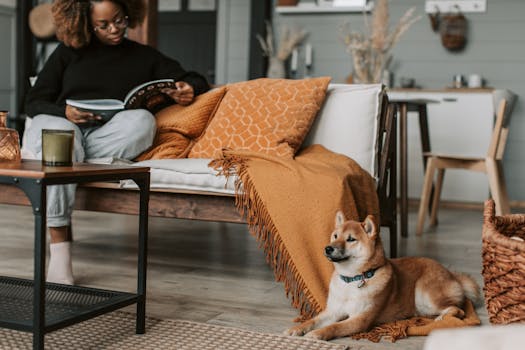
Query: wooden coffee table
{"points": [[39, 307]]}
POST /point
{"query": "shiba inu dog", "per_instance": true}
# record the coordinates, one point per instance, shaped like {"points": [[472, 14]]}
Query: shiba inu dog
{"points": [[368, 289]]}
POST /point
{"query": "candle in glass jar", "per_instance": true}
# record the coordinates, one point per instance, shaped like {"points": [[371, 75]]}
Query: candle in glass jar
{"points": [[57, 147]]}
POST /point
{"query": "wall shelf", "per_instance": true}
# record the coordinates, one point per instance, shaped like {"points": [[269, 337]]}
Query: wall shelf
{"points": [[313, 8], [465, 6]]}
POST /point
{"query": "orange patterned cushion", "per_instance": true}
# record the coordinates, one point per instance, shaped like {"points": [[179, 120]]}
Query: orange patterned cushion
{"points": [[190, 120], [167, 145], [178, 125], [263, 115]]}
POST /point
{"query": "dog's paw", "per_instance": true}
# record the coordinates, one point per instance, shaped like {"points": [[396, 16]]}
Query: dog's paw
{"points": [[301, 329], [318, 334], [296, 331]]}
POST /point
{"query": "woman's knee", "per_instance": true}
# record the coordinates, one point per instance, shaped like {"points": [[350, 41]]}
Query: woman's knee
{"points": [[45, 121], [137, 124], [126, 135]]}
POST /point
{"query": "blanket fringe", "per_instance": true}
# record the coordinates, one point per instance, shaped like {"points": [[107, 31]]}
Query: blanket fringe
{"points": [[261, 226], [417, 326], [392, 331]]}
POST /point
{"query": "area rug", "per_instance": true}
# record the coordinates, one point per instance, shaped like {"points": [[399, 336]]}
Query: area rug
{"points": [[116, 331]]}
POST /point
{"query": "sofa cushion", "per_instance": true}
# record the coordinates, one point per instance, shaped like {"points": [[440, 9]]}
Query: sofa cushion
{"points": [[264, 115], [347, 123], [167, 145], [185, 174], [192, 119], [178, 126]]}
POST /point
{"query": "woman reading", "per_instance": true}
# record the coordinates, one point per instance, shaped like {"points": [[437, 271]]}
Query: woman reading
{"points": [[95, 60]]}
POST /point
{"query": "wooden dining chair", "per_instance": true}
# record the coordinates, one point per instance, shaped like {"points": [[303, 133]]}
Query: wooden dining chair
{"points": [[504, 101]]}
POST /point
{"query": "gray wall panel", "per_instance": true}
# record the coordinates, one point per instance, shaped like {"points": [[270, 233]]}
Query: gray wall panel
{"points": [[232, 41], [496, 50]]}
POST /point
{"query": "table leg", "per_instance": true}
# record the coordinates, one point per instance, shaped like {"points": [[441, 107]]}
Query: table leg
{"points": [[36, 192], [423, 130], [39, 288], [425, 144], [403, 110], [143, 184]]}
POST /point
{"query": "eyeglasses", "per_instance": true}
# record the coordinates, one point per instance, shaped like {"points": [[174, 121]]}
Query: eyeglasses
{"points": [[119, 23]]}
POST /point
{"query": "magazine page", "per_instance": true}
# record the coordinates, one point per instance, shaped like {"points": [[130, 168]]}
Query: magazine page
{"points": [[149, 96], [98, 104], [106, 108]]}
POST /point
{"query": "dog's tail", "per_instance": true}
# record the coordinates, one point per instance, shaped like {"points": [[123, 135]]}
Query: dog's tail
{"points": [[470, 286]]}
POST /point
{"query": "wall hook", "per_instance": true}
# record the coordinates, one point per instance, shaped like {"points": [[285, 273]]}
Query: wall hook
{"points": [[456, 8]]}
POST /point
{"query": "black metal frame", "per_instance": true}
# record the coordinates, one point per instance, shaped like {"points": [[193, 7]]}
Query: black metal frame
{"points": [[35, 189], [260, 13], [387, 182]]}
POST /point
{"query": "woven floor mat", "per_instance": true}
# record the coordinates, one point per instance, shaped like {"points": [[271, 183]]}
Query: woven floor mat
{"points": [[116, 331]]}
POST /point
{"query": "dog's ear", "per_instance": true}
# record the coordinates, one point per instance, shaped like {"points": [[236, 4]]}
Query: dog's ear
{"points": [[339, 219], [370, 225]]}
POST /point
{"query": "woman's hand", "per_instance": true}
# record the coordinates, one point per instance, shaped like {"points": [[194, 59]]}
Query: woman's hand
{"points": [[78, 116], [183, 94]]}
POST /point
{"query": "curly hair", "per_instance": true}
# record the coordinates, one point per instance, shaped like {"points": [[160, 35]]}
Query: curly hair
{"points": [[72, 19]]}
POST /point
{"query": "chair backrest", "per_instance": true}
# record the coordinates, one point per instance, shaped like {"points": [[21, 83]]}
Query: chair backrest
{"points": [[504, 101]]}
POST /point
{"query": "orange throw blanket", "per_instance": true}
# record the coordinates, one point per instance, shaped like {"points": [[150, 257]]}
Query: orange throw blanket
{"points": [[290, 207], [420, 325]]}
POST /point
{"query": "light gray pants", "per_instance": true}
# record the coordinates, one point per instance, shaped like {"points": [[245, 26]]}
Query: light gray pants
{"points": [[126, 135]]}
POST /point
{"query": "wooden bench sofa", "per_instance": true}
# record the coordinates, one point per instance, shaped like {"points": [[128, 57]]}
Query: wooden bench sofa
{"points": [[216, 206]]}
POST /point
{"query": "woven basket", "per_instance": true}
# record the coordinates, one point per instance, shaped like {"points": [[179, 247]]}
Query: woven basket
{"points": [[503, 253], [454, 32], [9, 141]]}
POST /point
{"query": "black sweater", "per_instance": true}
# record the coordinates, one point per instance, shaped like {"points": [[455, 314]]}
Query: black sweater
{"points": [[101, 71]]}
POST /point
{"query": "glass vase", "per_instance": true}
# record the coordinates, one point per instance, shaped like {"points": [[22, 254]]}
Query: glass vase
{"points": [[9, 141]]}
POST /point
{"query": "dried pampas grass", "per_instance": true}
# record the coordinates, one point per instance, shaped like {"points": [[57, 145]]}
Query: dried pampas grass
{"points": [[371, 51], [289, 39]]}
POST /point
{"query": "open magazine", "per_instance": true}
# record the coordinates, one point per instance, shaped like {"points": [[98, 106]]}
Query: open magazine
{"points": [[144, 96]]}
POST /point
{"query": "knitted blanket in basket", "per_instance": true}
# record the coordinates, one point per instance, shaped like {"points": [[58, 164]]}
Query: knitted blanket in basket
{"points": [[290, 207]]}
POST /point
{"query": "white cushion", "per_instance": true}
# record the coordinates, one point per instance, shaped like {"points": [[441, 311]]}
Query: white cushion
{"points": [[347, 123], [185, 174]]}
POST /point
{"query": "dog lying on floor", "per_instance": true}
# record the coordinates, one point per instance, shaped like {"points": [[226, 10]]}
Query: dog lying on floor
{"points": [[368, 289]]}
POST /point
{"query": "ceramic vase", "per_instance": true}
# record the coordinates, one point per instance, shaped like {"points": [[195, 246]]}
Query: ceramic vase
{"points": [[276, 68]]}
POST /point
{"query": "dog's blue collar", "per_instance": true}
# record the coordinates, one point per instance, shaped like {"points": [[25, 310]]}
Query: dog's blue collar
{"points": [[362, 277]]}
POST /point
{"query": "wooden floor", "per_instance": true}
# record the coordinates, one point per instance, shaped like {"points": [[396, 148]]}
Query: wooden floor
{"points": [[213, 272]]}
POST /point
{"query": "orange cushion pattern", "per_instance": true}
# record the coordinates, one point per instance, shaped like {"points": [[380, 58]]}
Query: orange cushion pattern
{"points": [[192, 119], [271, 116], [178, 125], [167, 145]]}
